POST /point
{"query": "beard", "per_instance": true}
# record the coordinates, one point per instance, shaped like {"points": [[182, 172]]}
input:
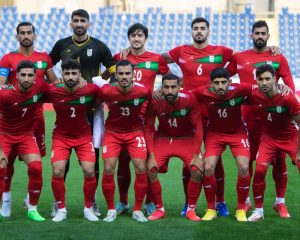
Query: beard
{"points": [[26, 43], [80, 31], [259, 43]]}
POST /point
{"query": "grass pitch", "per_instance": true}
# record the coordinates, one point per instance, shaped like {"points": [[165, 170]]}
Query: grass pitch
{"points": [[172, 227]]}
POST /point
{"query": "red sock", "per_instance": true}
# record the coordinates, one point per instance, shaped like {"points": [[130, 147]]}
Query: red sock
{"points": [[242, 189], [186, 176], [259, 185], [10, 170], [194, 191], [155, 191], [89, 189], [35, 183], [149, 197], [140, 188], [2, 174], [108, 189], [124, 176], [209, 185], [280, 176], [59, 191], [220, 175]]}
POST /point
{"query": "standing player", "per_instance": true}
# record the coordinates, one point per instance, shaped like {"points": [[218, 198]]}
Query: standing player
{"points": [[245, 64], [72, 131], [179, 134], [124, 128], [18, 104], [196, 61], [8, 74], [90, 53], [279, 133], [225, 127], [147, 65]]}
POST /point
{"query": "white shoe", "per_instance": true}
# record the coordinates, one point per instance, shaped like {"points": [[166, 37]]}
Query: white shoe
{"points": [[89, 215], [61, 215], [26, 203], [6, 204], [54, 209], [95, 209], [139, 216], [256, 216], [111, 216]]}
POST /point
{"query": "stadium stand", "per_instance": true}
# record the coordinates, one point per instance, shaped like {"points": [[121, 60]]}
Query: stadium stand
{"points": [[167, 30]]}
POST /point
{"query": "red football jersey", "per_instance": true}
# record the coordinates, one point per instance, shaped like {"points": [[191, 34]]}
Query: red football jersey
{"points": [[18, 109], [72, 109], [196, 64], [277, 114], [224, 113], [245, 64], [124, 108], [181, 119], [41, 60], [146, 67]]}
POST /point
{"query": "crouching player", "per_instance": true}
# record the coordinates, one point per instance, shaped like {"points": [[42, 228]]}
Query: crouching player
{"points": [[225, 127], [179, 135], [72, 131], [279, 134]]}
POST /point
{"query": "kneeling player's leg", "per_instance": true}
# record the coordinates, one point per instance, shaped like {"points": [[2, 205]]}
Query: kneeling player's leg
{"points": [[124, 176]]}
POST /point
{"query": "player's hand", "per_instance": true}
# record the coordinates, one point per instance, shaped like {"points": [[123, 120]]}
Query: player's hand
{"points": [[284, 90], [3, 159], [198, 161], [157, 94], [151, 162], [275, 50], [298, 160], [82, 82], [3, 86], [124, 53]]}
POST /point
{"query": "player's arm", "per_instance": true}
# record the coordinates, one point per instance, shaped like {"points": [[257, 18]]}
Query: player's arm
{"points": [[4, 70], [108, 61], [284, 72], [167, 57], [198, 129], [55, 53], [297, 120], [232, 65], [51, 77], [149, 135]]}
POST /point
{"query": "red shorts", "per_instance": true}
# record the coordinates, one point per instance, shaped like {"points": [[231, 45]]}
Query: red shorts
{"points": [[165, 148], [215, 144], [134, 142], [39, 133], [22, 144], [269, 149], [62, 148]]}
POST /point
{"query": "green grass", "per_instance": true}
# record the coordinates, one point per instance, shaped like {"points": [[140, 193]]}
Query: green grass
{"points": [[172, 227]]}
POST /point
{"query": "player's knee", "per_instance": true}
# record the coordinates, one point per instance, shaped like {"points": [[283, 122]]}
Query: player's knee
{"points": [[109, 170], [152, 175], [243, 169], [89, 172], [260, 172], [195, 173], [141, 168], [58, 171], [208, 169], [35, 169]]}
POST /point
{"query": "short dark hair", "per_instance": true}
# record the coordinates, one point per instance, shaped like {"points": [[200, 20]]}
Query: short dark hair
{"points": [[81, 13], [219, 73], [25, 64], [259, 24], [124, 63], [264, 68], [21, 24], [198, 20], [135, 27], [171, 76], [70, 64]]}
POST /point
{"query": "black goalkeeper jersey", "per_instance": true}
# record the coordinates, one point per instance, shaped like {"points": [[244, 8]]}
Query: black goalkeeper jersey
{"points": [[90, 54]]}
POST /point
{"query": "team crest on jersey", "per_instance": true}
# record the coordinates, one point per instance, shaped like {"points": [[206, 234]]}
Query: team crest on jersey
{"points": [[136, 101], [211, 58], [232, 102], [89, 52], [183, 112], [104, 149], [34, 98], [82, 100], [39, 64], [148, 64], [278, 108], [269, 62]]}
